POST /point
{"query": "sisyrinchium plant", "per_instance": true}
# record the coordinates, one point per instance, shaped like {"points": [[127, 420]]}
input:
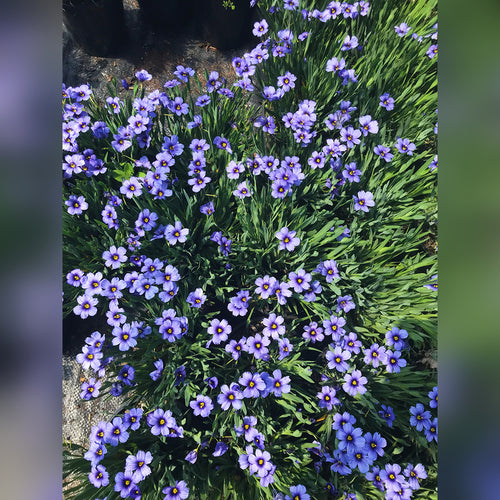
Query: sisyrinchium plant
{"points": [[263, 256]]}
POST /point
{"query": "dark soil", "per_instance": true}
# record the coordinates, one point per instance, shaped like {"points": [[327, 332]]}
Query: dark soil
{"points": [[157, 53]]}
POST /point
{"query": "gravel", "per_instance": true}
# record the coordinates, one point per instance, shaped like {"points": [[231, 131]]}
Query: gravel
{"points": [[79, 415]]}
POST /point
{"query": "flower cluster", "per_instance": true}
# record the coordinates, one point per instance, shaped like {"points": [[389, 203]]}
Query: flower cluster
{"points": [[241, 249]]}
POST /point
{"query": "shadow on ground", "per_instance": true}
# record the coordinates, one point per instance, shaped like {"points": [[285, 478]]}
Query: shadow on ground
{"points": [[158, 53]]}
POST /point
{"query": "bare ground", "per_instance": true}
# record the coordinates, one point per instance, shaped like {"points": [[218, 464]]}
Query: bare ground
{"points": [[159, 55]]}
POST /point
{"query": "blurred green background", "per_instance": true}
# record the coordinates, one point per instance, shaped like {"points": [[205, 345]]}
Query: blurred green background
{"points": [[469, 250]]}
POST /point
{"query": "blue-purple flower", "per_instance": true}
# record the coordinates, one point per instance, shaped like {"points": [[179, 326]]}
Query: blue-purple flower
{"points": [[260, 462], [99, 476], [434, 284], [300, 280], [298, 492], [392, 477], [202, 406], [138, 465], [285, 348], [402, 29], [375, 355], [220, 449], [90, 357], [176, 233], [414, 474], [386, 101], [236, 347], [432, 51], [143, 76], [405, 146], [282, 291], [333, 326], [192, 456], [179, 107], [90, 389], [313, 332], [125, 336], [197, 298], [431, 431], [345, 303], [433, 396], [220, 330], [86, 306], [207, 208], [133, 418], [76, 204], [333, 65], [375, 444], [247, 428], [114, 257], [260, 28], [393, 361], [230, 397], [116, 432], [223, 143], [355, 383], [273, 326], [252, 384], [96, 451], [131, 187], [350, 136], [350, 42], [368, 125], [265, 286], [277, 384], [124, 484], [396, 338], [288, 239], [287, 81], [328, 268], [160, 422], [337, 359], [387, 413], [127, 375], [183, 73], [179, 491], [363, 201], [257, 345], [420, 417], [242, 191], [327, 398]]}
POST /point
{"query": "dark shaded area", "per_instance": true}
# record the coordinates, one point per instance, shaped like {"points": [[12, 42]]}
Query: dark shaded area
{"points": [[150, 44], [98, 26], [76, 330], [226, 28]]}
